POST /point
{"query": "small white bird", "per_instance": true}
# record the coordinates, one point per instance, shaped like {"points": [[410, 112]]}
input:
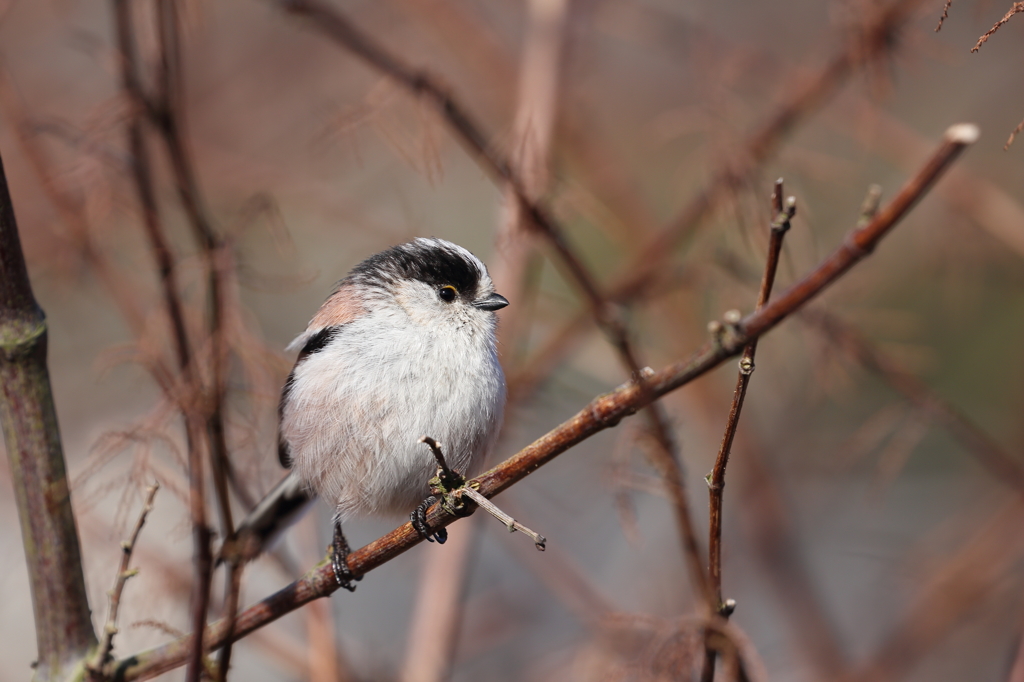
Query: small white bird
{"points": [[403, 348]]}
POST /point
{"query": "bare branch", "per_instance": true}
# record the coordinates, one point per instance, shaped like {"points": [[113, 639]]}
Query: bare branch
{"points": [[142, 177], [510, 523]]}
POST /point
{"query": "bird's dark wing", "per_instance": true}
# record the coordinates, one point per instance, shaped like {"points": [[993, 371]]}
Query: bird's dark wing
{"points": [[315, 344]]}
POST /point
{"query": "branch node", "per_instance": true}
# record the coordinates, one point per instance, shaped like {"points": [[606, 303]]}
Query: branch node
{"points": [[713, 485], [716, 329], [869, 207], [446, 482], [784, 215], [746, 366]]}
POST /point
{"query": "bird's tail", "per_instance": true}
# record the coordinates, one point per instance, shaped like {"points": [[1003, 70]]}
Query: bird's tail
{"points": [[285, 504]]}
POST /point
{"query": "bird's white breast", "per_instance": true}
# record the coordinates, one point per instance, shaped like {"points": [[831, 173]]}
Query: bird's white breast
{"points": [[357, 408]]}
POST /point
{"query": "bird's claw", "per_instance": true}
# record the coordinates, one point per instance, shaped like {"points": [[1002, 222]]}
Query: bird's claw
{"points": [[339, 560], [419, 522]]}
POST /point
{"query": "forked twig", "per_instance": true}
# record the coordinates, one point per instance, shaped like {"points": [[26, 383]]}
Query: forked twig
{"points": [[123, 574], [450, 479], [783, 212]]}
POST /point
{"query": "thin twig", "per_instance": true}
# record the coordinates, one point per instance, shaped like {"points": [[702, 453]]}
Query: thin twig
{"points": [[233, 588], [1017, 8], [783, 212], [435, 449], [1003, 465], [123, 574], [168, 118], [539, 540], [945, 15], [450, 479], [601, 413], [665, 458], [1013, 135]]}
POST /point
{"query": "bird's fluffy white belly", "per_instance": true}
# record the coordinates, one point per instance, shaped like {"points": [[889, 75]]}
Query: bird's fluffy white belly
{"points": [[367, 399]]}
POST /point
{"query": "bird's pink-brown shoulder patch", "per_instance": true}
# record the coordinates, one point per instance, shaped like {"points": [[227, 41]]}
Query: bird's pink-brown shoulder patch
{"points": [[343, 306]]}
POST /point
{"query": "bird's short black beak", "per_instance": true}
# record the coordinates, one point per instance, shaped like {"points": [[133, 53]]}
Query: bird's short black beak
{"points": [[492, 302]]}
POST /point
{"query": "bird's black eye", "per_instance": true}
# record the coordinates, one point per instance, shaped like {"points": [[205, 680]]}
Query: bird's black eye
{"points": [[447, 293]]}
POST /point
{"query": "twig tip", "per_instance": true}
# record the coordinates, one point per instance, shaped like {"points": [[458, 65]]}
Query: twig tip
{"points": [[963, 133]]}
